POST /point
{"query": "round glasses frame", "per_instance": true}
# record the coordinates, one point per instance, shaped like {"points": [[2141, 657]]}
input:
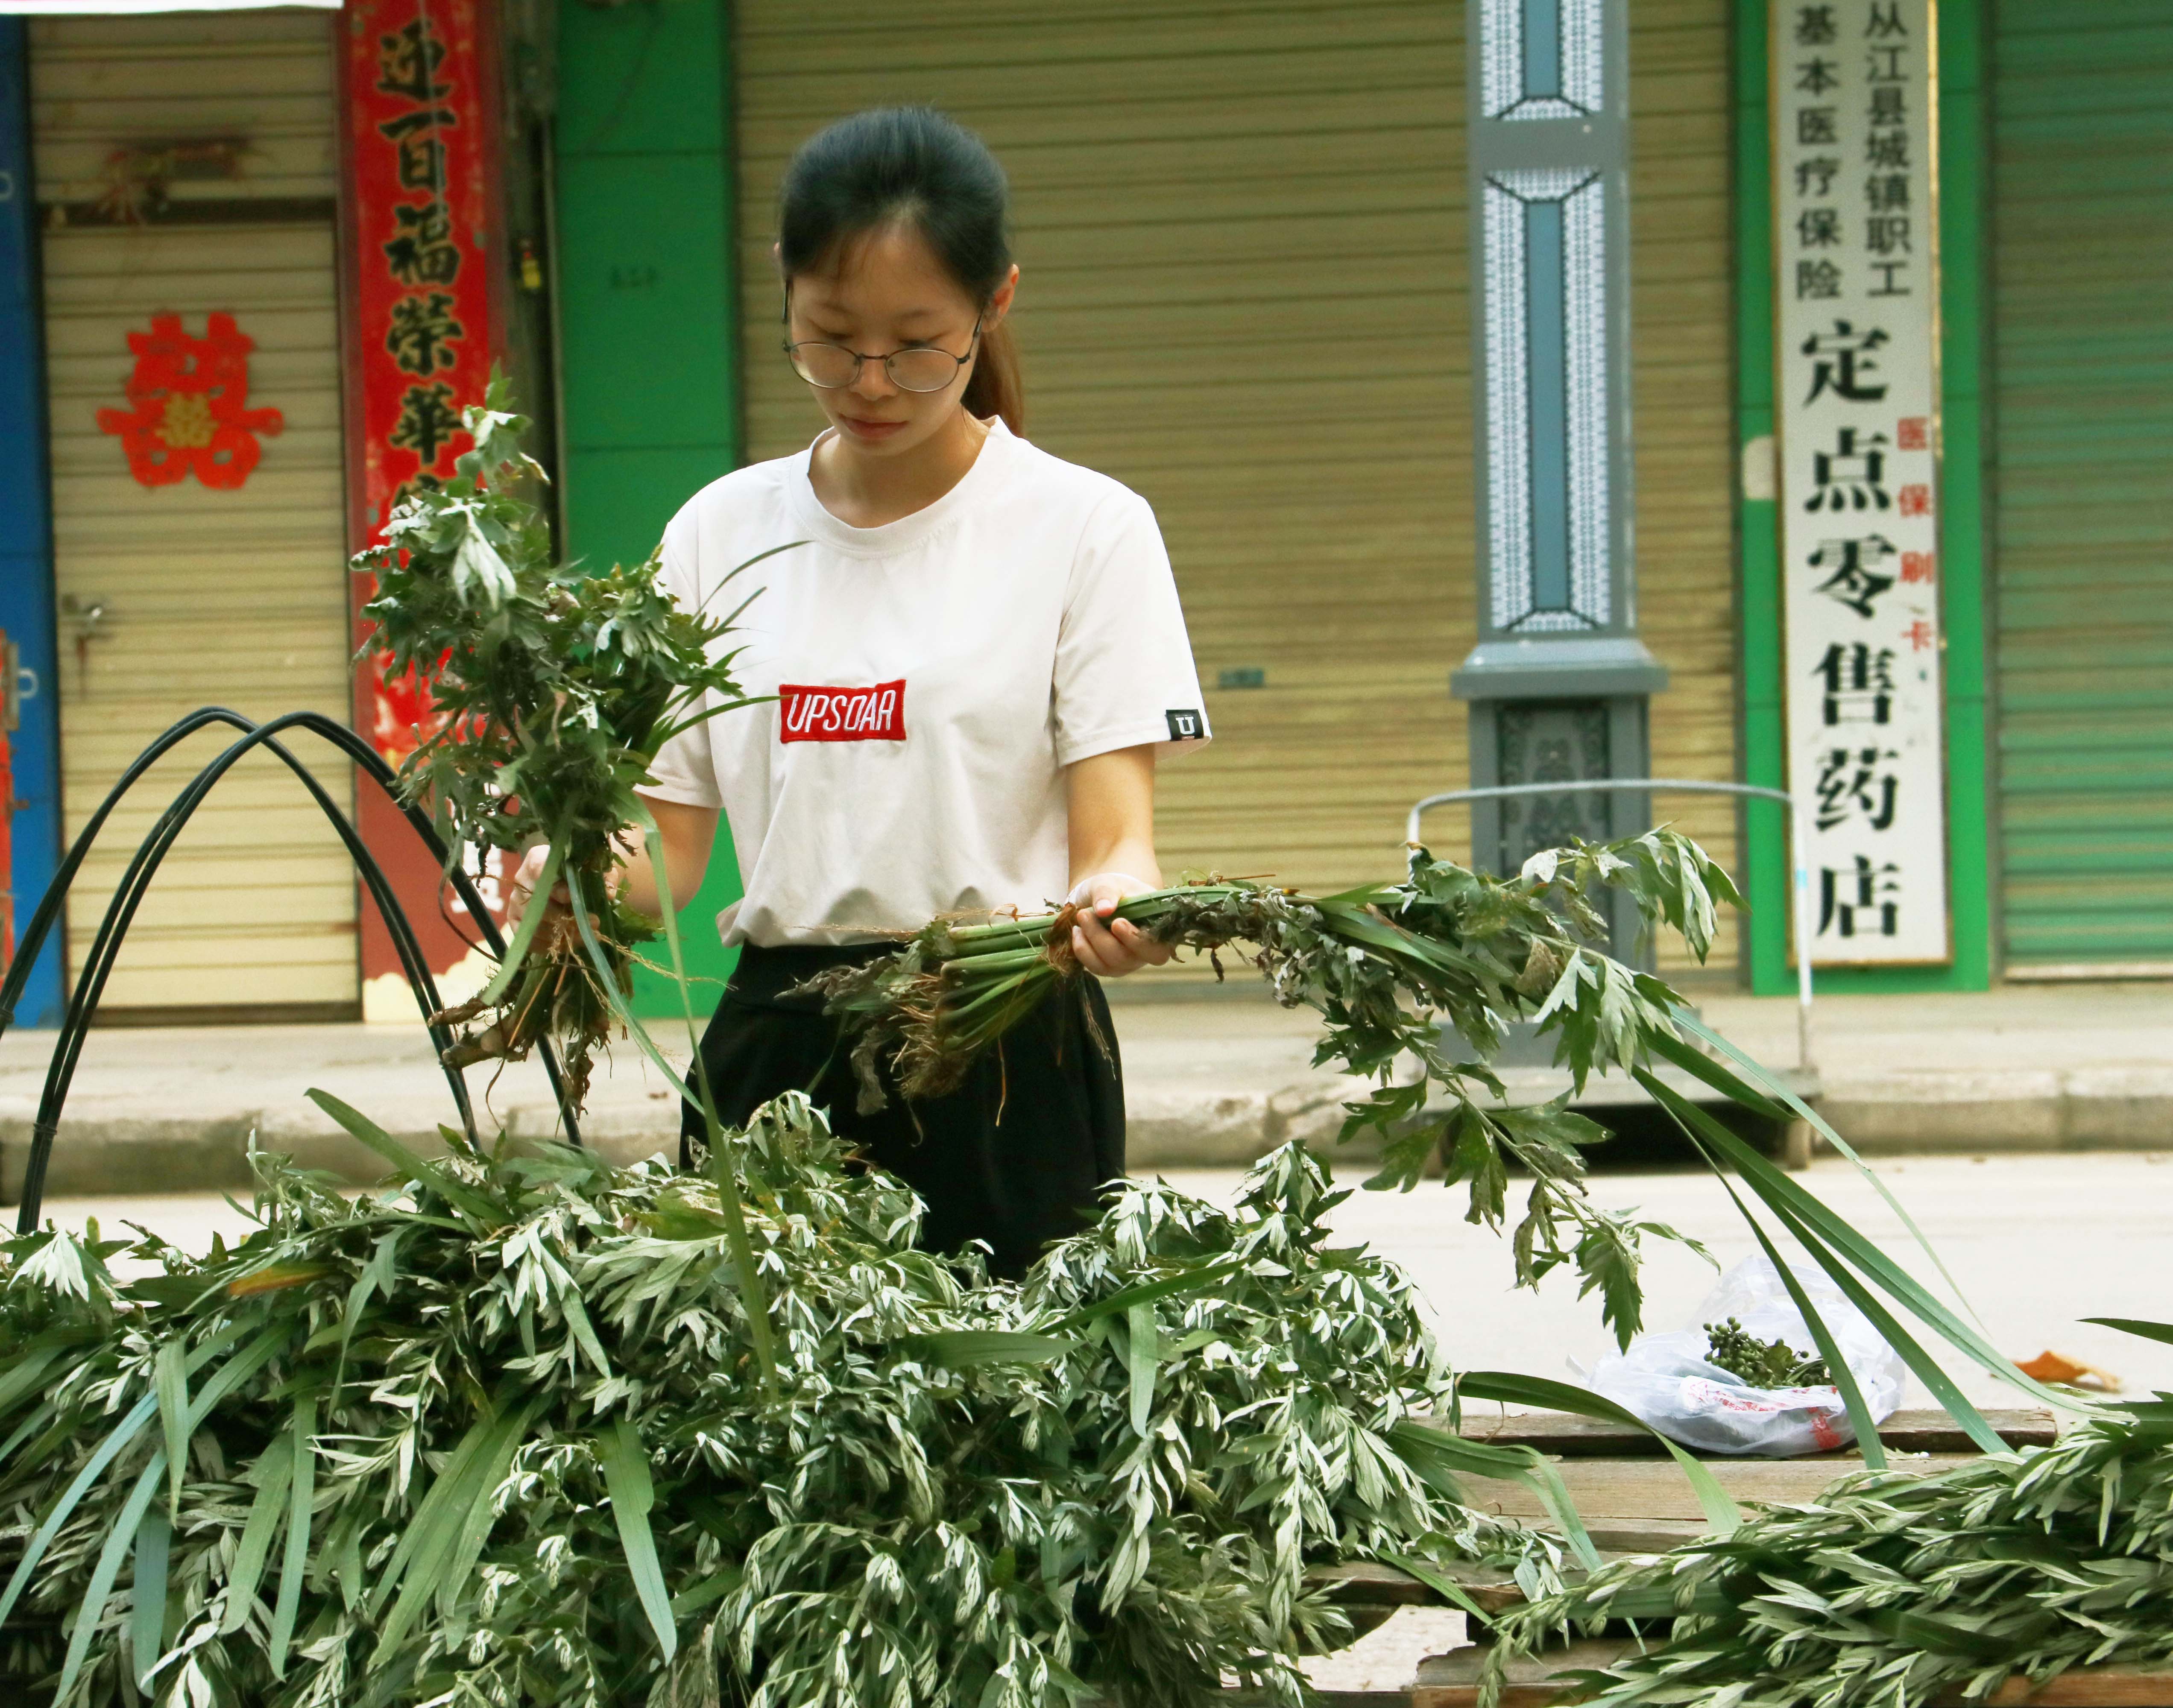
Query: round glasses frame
{"points": [[890, 362]]}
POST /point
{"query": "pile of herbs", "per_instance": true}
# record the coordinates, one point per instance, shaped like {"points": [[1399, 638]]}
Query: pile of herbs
{"points": [[1896, 1588], [495, 1434], [1762, 1363], [550, 690]]}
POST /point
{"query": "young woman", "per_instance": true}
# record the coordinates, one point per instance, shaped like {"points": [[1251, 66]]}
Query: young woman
{"points": [[978, 655]]}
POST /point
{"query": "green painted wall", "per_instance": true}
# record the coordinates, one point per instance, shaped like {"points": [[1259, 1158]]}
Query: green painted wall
{"points": [[649, 364], [1962, 271]]}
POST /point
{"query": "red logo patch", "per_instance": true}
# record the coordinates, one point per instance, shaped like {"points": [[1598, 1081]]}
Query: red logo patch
{"points": [[875, 713]]}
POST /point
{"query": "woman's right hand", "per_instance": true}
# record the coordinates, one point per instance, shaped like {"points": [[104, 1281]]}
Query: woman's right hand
{"points": [[687, 831], [523, 889], [560, 900]]}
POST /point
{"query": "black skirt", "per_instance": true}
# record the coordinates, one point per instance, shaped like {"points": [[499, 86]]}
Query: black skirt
{"points": [[1017, 1156]]}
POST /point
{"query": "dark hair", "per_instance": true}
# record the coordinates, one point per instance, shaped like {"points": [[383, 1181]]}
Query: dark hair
{"points": [[912, 165]]}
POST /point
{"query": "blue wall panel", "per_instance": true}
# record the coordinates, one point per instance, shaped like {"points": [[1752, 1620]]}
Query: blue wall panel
{"points": [[26, 561]]}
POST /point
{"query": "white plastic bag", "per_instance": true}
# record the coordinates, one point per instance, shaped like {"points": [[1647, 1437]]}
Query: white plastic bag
{"points": [[1666, 1380]]}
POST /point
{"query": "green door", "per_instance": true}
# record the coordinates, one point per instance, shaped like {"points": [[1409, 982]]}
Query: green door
{"points": [[2083, 436]]}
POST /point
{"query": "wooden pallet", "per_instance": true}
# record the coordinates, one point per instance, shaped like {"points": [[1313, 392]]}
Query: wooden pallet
{"points": [[1451, 1681]]}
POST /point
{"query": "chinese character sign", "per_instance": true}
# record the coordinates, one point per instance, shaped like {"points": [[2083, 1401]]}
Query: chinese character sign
{"points": [[421, 187], [1857, 275], [417, 143]]}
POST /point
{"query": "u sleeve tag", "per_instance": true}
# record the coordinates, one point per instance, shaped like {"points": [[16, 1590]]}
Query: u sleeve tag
{"points": [[1186, 725]]}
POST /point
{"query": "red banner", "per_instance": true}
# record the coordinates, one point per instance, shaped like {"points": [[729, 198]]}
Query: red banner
{"points": [[421, 330]]}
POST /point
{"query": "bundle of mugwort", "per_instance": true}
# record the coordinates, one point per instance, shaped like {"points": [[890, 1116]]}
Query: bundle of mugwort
{"points": [[1385, 966], [549, 691]]}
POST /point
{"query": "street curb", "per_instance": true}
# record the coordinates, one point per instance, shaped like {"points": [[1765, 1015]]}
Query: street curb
{"points": [[98, 1154], [2082, 1109], [95, 1158]]}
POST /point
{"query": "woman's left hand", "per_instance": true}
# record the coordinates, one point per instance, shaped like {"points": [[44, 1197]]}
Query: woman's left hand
{"points": [[1107, 947]]}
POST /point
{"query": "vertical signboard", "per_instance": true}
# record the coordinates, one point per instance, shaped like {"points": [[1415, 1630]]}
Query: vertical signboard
{"points": [[1857, 341], [421, 332]]}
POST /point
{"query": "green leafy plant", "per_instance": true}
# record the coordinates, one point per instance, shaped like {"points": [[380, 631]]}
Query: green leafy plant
{"points": [[549, 691], [1762, 1363], [496, 1434]]}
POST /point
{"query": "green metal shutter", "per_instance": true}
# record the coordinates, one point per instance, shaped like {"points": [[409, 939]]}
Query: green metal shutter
{"points": [[2082, 200]]}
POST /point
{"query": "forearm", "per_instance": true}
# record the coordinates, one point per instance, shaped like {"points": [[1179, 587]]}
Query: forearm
{"points": [[1109, 802], [687, 833], [1134, 855]]}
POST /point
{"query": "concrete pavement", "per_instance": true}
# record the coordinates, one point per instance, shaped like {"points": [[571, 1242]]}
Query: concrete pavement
{"points": [[1212, 1078]]}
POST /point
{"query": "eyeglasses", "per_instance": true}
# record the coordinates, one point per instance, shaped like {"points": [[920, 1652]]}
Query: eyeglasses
{"points": [[916, 368]]}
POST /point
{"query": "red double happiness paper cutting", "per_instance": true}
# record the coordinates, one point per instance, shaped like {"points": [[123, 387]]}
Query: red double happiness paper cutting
{"points": [[188, 406]]}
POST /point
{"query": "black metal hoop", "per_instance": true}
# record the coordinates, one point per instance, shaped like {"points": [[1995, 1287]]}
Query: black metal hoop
{"points": [[128, 895]]}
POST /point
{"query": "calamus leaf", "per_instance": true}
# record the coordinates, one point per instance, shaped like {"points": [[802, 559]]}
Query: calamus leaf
{"points": [[147, 1612], [301, 1496], [90, 1613], [626, 1474], [274, 1473]]}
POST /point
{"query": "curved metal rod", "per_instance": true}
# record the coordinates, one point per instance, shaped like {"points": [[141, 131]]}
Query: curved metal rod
{"points": [[120, 913], [379, 772], [129, 896], [373, 764], [388, 781], [32, 937]]}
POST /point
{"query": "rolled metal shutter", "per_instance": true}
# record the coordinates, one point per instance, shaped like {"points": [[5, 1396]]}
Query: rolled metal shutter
{"points": [[1241, 232], [2083, 435], [235, 597]]}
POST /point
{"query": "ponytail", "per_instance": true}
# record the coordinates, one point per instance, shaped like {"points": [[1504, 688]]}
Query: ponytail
{"points": [[911, 165], [994, 387]]}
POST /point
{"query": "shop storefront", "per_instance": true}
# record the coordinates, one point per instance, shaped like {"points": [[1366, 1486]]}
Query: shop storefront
{"points": [[268, 253], [2081, 511], [1247, 293], [185, 174], [2045, 457]]}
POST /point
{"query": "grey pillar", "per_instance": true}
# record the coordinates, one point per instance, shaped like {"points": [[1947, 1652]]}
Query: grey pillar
{"points": [[1559, 683]]}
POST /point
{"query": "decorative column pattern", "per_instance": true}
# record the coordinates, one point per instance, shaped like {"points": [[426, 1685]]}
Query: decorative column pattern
{"points": [[1559, 682]]}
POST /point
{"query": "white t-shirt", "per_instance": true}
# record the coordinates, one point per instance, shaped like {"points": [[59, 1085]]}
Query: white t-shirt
{"points": [[935, 676]]}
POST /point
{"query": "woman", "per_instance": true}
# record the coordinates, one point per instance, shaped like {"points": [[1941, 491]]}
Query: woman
{"points": [[978, 654]]}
